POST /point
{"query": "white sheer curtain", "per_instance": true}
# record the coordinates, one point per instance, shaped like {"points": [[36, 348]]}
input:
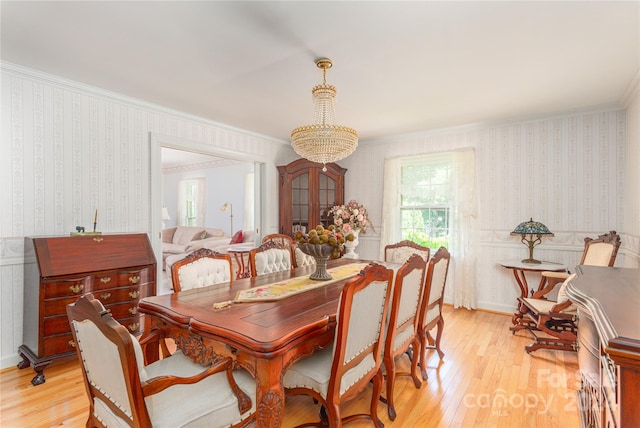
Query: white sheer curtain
{"points": [[249, 201], [463, 242], [390, 227], [192, 206]]}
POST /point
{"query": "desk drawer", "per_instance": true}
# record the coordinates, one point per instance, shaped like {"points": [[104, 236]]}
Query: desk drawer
{"points": [[66, 287], [58, 344], [56, 325], [53, 307], [123, 294], [135, 277]]}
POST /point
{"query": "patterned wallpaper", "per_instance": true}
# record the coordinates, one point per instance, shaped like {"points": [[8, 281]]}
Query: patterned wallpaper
{"points": [[569, 172], [68, 149]]}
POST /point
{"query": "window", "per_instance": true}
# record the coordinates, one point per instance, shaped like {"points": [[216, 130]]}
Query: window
{"points": [[191, 203], [425, 202], [431, 199]]}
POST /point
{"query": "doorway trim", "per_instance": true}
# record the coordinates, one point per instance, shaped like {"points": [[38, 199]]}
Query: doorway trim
{"points": [[156, 143]]}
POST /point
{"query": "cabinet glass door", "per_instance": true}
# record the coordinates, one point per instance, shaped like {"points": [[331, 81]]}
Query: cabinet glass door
{"points": [[326, 198], [300, 203]]}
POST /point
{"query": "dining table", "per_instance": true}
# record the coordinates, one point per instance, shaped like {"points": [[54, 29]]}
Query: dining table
{"points": [[263, 328]]}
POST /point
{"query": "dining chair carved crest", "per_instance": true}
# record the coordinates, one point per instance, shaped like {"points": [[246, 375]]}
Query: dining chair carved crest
{"points": [[401, 251]]}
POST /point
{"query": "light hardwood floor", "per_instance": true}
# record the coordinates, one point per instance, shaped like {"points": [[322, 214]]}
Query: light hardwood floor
{"points": [[485, 380]]}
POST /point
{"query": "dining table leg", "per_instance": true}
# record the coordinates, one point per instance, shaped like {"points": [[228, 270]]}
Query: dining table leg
{"points": [[269, 394]]}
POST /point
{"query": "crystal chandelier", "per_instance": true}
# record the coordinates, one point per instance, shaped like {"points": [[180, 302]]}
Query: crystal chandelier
{"points": [[324, 141]]}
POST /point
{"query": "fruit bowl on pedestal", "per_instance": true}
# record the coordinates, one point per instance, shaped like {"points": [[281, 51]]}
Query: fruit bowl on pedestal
{"points": [[320, 252]]}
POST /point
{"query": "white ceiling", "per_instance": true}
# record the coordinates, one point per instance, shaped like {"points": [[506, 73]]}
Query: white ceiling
{"points": [[399, 67]]}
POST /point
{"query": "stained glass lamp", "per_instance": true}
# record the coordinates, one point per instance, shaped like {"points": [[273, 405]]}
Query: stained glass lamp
{"points": [[531, 233]]}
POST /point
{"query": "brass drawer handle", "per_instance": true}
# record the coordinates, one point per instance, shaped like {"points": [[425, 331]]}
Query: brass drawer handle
{"points": [[105, 279], [72, 343], [105, 296], [134, 326], [98, 240], [134, 294], [133, 310], [76, 288], [134, 279]]}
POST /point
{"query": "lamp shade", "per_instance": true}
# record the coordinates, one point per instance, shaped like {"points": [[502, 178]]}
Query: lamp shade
{"points": [[531, 228], [531, 233], [165, 214]]}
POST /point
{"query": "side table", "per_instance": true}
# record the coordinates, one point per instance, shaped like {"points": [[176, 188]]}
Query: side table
{"points": [[519, 268], [241, 255]]}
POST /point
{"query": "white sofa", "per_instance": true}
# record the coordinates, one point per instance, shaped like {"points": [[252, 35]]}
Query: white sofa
{"points": [[179, 241]]}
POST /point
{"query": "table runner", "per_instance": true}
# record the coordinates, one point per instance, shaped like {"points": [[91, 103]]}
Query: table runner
{"points": [[293, 286]]}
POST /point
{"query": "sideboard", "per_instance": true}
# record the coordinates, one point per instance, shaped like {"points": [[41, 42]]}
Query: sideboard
{"points": [[608, 301], [118, 269]]}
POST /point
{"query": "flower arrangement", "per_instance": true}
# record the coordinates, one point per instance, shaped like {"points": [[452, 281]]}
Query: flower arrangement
{"points": [[352, 216], [333, 236]]}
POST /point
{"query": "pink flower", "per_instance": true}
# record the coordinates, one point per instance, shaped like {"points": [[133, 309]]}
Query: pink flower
{"points": [[352, 216]]}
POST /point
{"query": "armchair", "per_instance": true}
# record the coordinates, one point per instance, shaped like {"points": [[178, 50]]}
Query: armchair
{"points": [[124, 392], [552, 322]]}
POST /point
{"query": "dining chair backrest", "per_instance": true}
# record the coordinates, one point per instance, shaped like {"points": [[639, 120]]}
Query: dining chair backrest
{"points": [[601, 251], [436, 279], [405, 303], [362, 312], [201, 268], [401, 251], [111, 361], [430, 314], [270, 257], [403, 319]]}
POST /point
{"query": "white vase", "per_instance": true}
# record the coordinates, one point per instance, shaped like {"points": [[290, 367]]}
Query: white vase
{"points": [[350, 247]]}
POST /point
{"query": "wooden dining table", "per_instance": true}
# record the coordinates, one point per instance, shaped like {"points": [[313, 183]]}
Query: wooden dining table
{"points": [[264, 337]]}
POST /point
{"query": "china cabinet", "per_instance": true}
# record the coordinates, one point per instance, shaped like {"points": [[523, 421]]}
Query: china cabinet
{"points": [[306, 194]]}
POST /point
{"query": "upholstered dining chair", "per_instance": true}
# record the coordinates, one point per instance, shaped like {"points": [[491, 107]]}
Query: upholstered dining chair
{"points": [[401, 332], [556, 317], [172, 392], [339, 372], [401, 251], [270, 257], [430, 314], [201, 268]]}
